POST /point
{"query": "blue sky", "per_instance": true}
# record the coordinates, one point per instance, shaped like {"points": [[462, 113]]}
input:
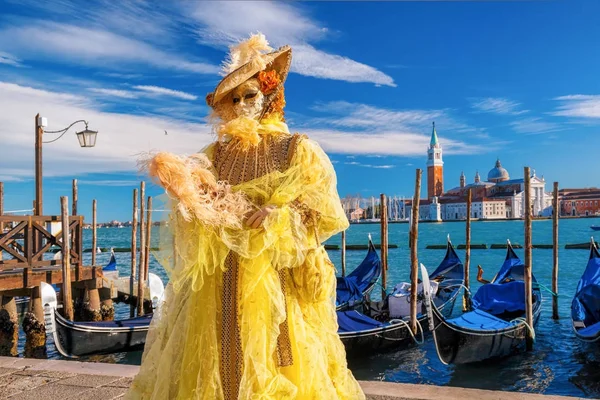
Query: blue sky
{"points": [[514, 80]]}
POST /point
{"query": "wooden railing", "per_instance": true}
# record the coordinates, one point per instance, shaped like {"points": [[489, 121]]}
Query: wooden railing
{"points": [[27, 238]]}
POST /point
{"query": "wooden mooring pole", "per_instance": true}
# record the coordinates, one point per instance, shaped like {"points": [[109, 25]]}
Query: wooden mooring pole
{"points": [[528, 261], [66, 259], [555, 216], [94, 231], [1, 211], [140, 291], [148, 238], [466, 295], [384, 245], [134, 227], [414, 259], [343, 253], [75, 198]]}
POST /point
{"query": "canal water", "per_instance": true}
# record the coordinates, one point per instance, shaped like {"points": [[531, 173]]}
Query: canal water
{"points": [[559, 363]]}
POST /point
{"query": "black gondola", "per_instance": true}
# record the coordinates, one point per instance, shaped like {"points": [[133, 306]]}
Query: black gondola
{"points": [[496, 326], [352, 289], [585, 308], [375, 331], [75, 339]]}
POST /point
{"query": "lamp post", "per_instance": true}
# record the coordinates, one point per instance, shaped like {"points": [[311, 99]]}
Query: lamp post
{"points": [[86, 137]]}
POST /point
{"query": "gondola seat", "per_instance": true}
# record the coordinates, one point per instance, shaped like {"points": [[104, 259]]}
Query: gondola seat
{"points": [[502, 298], [353, 321], [479, 320]]}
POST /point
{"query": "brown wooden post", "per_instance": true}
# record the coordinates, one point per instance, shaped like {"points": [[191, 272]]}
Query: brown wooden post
{"points": [[148, 238], [1, 212], [34, 327], [414, 259], [343, 253], [94, 231], [140, 295], [384, 245], [38, 167], [9, 334], [134, 227], [66, 259], [75, 198], [466, 296], [555, 216], [528, 261]]}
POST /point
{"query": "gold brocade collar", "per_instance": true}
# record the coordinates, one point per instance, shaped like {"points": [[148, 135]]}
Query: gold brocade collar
{"points": [[249, 131]]}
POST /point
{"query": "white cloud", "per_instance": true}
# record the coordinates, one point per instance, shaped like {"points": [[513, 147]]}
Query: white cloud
{"points": [[368, 117], [121, 137], [166, 92], [94, 47], [396, 143], [124, 94], [534, 126], [498, 105], [109, 182], [309, 61], [9, 59], [224, 23], [388, 166], [578, 105]]}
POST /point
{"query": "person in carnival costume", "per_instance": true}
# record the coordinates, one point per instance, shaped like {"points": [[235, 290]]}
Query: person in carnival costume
{"points": [[249, 311]]}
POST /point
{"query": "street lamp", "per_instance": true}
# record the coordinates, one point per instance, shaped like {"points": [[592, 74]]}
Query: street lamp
{"points": [[86, 138]]}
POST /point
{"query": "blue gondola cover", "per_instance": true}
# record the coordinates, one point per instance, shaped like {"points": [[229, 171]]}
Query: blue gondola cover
{"points": [[353, 321], [351, 288], [112, 264], [586, 303]]}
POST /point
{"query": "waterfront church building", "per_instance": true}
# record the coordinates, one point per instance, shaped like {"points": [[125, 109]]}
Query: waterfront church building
{"points": [[498, 197]]}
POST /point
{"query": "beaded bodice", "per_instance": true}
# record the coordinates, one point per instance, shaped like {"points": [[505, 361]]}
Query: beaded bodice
{"points": [[237, 164]]}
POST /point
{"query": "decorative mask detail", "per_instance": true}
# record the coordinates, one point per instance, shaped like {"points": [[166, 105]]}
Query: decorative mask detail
{"points": [[248, 100]]}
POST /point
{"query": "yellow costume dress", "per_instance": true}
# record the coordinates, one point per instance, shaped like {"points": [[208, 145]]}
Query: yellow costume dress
{"points": [[249, 314]]}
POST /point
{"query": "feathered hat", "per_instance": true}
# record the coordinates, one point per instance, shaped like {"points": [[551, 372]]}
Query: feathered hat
{"points": [[247, 59]]}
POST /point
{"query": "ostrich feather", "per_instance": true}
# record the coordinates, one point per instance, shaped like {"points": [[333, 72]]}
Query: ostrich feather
{"points": [[250, 49]]}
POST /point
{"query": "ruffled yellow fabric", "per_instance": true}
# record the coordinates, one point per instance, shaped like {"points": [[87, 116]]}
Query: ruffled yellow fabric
{"points": [[183, 349], [249, 130]]}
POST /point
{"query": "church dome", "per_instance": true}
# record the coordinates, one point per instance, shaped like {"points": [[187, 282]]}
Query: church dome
{"points": [[498, 174]]}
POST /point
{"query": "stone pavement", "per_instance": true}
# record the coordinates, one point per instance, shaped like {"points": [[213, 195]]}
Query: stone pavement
{"points": [[30, 379]]}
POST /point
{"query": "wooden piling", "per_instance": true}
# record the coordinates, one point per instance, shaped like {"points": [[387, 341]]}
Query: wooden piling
{"points": [[94, 231], [343, 253], [142, 267], [528, 261], [414, 260], [75, 198], [1, 207], [466, 294], [34, 327], [148, 238], [66, 259], [134, 227], [9, 327], [384, 245], [555, 216], [1, 211]]}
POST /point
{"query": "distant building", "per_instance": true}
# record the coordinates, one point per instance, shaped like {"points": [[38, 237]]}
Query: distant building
{"points": [[579, 202]]}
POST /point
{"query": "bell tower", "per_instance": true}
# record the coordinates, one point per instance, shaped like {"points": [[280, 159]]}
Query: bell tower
{"points": [[435, 167]]}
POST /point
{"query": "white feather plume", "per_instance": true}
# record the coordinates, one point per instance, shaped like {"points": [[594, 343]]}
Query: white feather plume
{"points": [[252, 48]]}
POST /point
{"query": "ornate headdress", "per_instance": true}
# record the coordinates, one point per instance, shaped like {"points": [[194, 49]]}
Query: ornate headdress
{"points": [[250, 58]]}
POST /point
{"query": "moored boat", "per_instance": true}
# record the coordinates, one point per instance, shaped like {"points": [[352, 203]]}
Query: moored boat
{"points": [[75, 339], [352, 289], [381, 327], [496, 326], [585, 307], [595, 227]]}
